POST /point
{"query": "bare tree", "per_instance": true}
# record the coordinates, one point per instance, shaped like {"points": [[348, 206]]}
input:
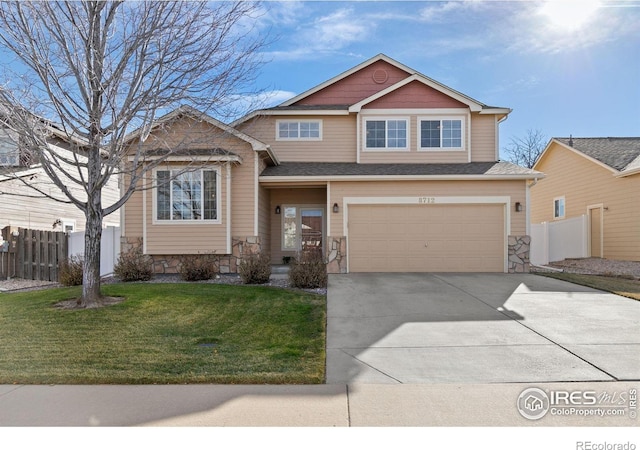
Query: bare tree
{"points": [[99, 70], [525, 151]]}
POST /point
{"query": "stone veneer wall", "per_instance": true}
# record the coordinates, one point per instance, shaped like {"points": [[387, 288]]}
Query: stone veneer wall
{"points": [[336, 254], [519, 248], [241, 246]]}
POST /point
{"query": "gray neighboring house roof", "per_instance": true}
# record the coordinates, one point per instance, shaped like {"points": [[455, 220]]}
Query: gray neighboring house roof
{"points": [[616, 152], [329, 169]]}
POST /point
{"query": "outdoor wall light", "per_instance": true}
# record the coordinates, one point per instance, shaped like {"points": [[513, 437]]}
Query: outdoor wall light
{"points": [[278, 209], [336, 208], [518, 207]]}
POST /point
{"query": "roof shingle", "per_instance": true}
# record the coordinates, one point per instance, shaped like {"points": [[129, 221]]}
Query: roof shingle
{"points": [[616, 152], [320, 169]]}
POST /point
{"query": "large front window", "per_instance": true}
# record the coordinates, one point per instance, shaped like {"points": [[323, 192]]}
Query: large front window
{"points": [[441, 134], [187, 195], [390, 134]]}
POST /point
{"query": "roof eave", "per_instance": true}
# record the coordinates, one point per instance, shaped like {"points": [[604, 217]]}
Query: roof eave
{"points": [[307, 178], [577, 152]]}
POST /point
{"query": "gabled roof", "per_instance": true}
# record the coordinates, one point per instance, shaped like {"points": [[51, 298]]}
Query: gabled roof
{"points": [[412, 75], [621, 155], [189, 111]]}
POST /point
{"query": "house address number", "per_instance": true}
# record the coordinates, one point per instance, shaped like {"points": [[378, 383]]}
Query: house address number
{"points": [[426, 200]]}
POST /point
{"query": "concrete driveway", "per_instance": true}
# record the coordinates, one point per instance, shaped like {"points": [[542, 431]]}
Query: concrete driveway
{"points": [[477, 328]]}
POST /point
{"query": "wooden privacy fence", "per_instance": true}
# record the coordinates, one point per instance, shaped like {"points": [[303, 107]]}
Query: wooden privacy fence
{"points": [[32, 254]]}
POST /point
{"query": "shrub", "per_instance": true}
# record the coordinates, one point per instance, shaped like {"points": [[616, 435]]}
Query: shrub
{"points": [[308, 271], [134, 266], [70, 271], [197, 267], [255, 268]]}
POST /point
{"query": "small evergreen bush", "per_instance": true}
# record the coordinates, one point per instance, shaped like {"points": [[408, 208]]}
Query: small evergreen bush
{"points": [[308, 271], [197, 267], [70, 271], [134, 266], [255, 268]]}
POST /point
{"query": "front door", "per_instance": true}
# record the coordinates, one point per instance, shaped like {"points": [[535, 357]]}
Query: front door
{"points": [[595, 232], [311, 229]]}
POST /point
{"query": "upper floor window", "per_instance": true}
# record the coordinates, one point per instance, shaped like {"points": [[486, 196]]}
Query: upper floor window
{"points": [[187, 195], [445, 134], [9, 151], [386, 134], [558, 208], [299, 130]]}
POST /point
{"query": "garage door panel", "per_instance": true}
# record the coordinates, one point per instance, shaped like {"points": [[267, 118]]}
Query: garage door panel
{"points": [[426, 238]]}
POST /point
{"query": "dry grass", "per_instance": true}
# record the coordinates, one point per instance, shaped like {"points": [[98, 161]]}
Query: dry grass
{"points": [[618, 285], [164, 333]]}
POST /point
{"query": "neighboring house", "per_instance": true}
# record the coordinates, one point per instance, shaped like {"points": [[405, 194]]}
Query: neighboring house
{"points": [[600, 179], [21, 206], [381, 168]]}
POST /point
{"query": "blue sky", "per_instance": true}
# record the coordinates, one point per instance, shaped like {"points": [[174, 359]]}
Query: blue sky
{"points": [[564, 68]]}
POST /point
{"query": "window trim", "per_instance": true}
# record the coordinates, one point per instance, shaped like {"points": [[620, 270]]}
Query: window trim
{"points": [[171, 221], [299, 121], [564, 208], [440, 118], [386, 148], [68, 223]]}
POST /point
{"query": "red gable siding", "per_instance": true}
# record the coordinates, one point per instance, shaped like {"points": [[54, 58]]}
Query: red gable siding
{"points": [[357, 86], [415, 95]]}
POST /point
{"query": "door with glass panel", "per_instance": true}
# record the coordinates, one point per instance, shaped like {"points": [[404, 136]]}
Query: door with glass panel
{"points": [[303, 229], [311, 229]]}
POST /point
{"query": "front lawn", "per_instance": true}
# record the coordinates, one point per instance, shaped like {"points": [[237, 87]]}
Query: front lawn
{"points": [[621, 286], [164, 333]]}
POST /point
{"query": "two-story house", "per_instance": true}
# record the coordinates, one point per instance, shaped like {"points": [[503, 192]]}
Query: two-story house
{"points": [[381, 168]]}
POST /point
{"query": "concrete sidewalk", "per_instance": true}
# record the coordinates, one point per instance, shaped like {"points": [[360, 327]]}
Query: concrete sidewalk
{"points": [[286, 406]]}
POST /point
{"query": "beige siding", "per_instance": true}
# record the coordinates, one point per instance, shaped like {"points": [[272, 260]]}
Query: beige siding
{"points": [[264, 208], [514, 189], [177, 238], [243, 195], [264, 226], [583, 183], [189, 238], [187, 133], [290, 196], [133, 226], [412, 154], [483, 138], [338, 142]]}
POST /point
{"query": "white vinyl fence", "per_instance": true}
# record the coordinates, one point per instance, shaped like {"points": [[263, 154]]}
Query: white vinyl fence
{"points": [[555, 241], [109, 250]]}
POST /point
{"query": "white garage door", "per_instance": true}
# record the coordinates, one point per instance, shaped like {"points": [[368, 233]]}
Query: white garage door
{"points": [[426, 238]]}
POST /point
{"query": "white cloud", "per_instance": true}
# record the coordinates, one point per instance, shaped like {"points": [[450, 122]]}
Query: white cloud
{"points": [[329, 33], [533, 31], [312, 30], [442, 12]]}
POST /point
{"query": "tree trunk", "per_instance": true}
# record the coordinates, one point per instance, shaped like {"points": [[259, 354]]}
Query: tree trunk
{"points": [[91, 294]]}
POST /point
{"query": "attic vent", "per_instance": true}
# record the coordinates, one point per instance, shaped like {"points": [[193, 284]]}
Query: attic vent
{"points": [[380, 76]]}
